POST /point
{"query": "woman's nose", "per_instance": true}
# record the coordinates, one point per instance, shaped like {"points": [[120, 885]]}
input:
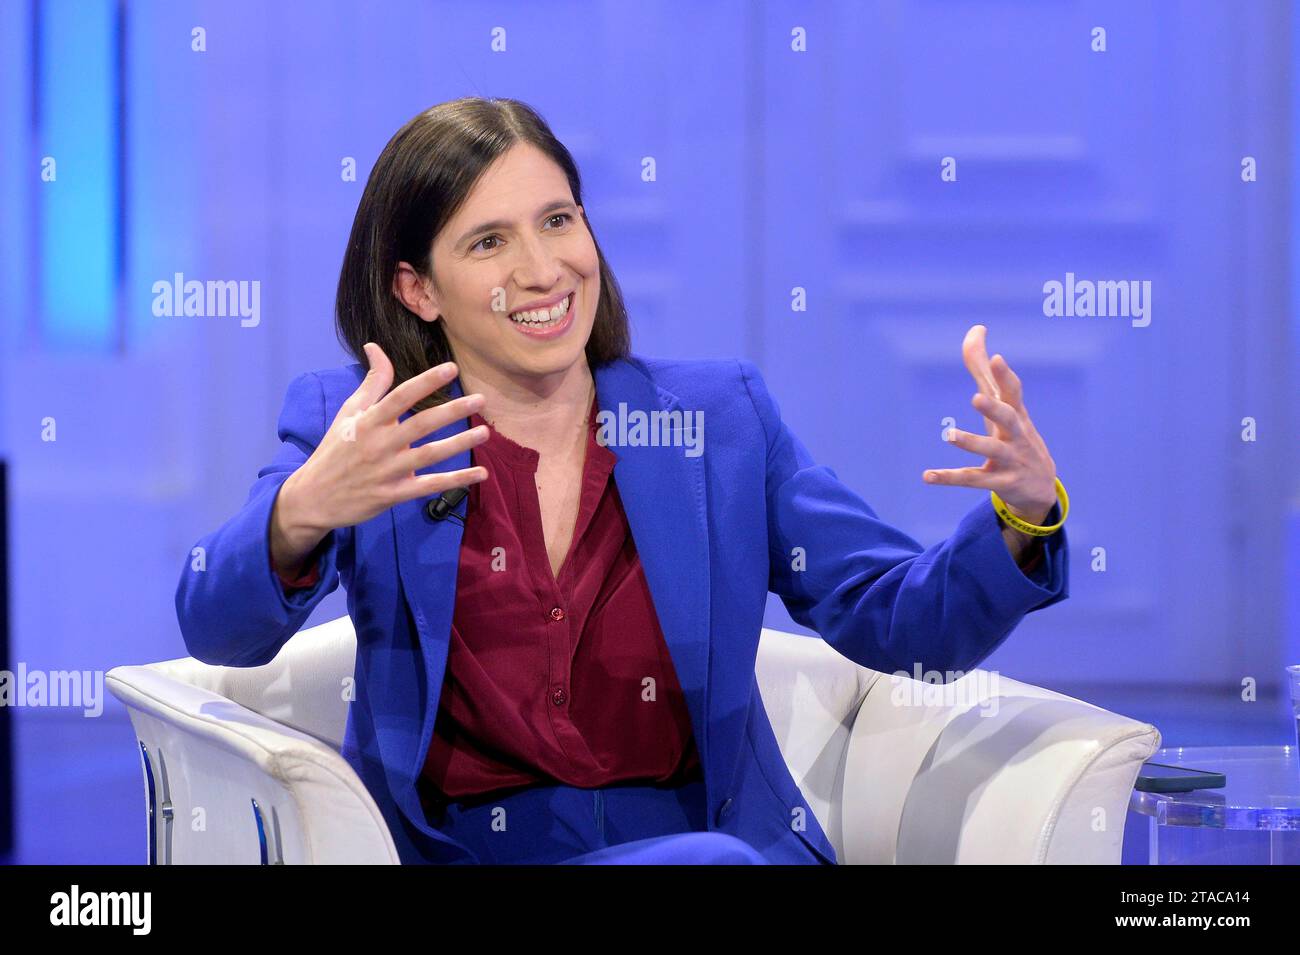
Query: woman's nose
{"points": [[538, 266]]}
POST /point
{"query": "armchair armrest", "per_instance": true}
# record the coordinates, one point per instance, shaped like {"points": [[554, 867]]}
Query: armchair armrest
{"points": [[998, 772], [211, 758]]}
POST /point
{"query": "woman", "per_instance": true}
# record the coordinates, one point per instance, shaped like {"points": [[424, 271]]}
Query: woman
{"points": [[561, 668]]}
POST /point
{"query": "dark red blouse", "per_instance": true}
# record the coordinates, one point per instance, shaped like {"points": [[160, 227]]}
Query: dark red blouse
{"points": [[550, 679]]}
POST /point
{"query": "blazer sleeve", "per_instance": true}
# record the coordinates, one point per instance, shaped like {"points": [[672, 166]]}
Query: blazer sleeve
{"points": [[871, 591], [231, 604]]}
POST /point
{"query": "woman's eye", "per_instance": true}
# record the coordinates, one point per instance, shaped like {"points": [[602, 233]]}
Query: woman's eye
{"points": [[490, 238]]}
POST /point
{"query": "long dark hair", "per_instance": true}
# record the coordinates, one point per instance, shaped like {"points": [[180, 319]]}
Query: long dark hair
{"points": [[418, 182]]}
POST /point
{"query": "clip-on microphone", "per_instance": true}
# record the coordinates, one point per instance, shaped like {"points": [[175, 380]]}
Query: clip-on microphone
{"points": [[442, 508]]}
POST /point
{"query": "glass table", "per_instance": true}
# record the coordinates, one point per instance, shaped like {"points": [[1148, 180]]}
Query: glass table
{"points": [[1253, 820]]}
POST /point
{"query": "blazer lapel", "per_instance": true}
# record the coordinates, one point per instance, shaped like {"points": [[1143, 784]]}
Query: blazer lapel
{"points": [[428, 557], [662, 491]]}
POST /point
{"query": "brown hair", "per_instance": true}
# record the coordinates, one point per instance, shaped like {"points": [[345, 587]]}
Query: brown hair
{"points": [[417, 184]]}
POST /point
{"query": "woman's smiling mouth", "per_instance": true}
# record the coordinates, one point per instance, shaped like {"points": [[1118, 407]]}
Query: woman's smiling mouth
{"points": [[546, 322]]}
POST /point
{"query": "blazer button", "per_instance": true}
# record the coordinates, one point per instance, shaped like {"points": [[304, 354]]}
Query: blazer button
{"points": [[559, 696], [557, 613], [724, 810]]}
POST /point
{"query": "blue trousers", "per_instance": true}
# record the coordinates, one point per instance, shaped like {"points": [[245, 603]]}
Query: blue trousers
{"points": [[622, 824]]}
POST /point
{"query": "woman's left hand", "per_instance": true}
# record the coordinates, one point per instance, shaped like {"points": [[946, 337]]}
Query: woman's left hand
{"points": [[1018, 468]]}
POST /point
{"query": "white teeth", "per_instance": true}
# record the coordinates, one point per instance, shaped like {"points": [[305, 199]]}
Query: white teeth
{"points": [[542, 316]]}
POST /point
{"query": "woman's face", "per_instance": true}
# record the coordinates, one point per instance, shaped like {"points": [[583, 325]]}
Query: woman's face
{"points": [[518, 241]]}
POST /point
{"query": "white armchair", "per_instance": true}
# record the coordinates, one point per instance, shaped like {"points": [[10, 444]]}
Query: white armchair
{"points": [[992, 771]]}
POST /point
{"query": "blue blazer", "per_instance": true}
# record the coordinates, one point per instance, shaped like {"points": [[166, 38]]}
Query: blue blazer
{"points": [[715, 531]]}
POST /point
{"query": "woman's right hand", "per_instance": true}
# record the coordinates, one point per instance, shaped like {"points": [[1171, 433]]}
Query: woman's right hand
{"points": [[365, 463]]}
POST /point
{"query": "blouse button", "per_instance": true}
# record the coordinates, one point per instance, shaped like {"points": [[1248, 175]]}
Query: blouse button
{"points": [[557, 613], [559, 696]]}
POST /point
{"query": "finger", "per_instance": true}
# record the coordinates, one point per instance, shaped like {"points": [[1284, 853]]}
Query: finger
{"points": [[1012, 392], [1001, 414], [429, 454], [967, 477], [431, 419], [976, 357], [375, 384], [978, 444], [401, 398], [426, 485]]}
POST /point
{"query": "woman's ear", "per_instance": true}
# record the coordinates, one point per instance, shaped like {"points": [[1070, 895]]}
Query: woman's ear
{"points": [[412, 290]]}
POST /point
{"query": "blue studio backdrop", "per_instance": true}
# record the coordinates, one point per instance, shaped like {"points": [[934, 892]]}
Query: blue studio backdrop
{"points": [[834, 191]]}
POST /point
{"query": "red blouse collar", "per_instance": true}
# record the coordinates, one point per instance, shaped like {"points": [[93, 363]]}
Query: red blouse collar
{"points": [[525, 458]]}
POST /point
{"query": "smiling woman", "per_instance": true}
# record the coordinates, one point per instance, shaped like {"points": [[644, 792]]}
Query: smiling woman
{"points": [[564, 672], [473, 288]]}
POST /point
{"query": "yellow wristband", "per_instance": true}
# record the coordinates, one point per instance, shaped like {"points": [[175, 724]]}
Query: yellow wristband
{"points": [[1034, 530]]}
